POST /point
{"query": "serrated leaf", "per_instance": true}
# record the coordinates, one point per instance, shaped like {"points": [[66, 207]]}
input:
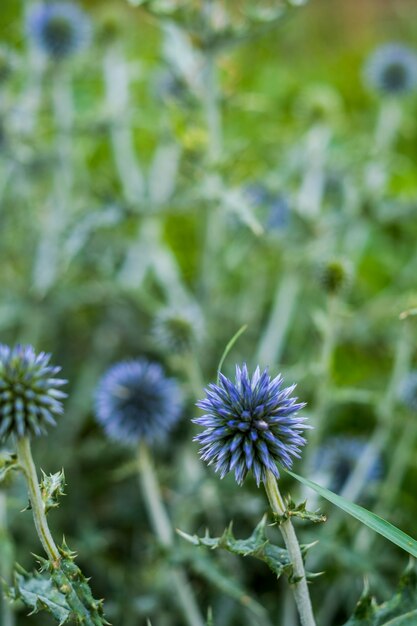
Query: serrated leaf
{"points": [[39, 593], [257, 545], [300, 510], [8, 463], [52, 487], [374, 522], [400, 610]]}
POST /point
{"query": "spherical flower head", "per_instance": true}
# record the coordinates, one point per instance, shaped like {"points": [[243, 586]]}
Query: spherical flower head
{"points": [[177, 329], [392, 69], [251, 424], [59, 29], [135, 401], [30, 397], [334, 275], [408, 391]]}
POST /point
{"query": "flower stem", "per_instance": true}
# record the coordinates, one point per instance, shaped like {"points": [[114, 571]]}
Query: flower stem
{"points": [[299, 588], [6, 612], [163, 530], [38, 508]]}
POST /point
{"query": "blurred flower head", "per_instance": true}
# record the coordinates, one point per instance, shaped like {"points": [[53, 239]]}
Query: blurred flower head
{"points": [[135, 400], [275, 207], [59, 29], [30, 398], [335, 460], [177, 329], [392, 69], [408, 391], [251, 424], [334, 275]]}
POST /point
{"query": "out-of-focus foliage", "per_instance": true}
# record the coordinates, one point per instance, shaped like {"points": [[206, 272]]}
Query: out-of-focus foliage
{"points": [[159, 170]]}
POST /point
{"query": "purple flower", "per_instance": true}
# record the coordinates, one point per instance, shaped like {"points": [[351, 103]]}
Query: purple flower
{"points": [[251, 424], [29, 394], [392, 69], [135, 400], [59, 29]]}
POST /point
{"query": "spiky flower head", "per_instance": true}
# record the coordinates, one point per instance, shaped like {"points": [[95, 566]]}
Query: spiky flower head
{"points": [[30, 397], [408, 391], [177, 329], [59, 29], [334, 275], [135, 400], [251, 424], [392, 69]]}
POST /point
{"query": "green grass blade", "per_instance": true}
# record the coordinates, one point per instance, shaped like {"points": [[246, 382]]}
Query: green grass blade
{"points": [[374, 522], [229, 347]]}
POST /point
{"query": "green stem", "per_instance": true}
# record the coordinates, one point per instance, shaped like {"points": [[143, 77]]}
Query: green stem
{"points": [[6, 613], [163, 530], [38, 508], [299, 588]]}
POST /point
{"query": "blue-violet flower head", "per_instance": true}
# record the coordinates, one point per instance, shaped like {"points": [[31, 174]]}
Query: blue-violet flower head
{"points": [[30, 397], [134, 400], [408, 391], [392, 69], [59, 29], [251, 424]]}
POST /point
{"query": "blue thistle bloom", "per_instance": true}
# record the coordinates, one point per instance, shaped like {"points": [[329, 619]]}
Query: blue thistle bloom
{"points": [[29, 395], [59, 29], [251, 424], [135, 400], [392, 69], [408, 391]]}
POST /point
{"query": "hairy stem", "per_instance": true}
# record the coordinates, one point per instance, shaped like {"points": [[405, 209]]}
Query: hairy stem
{"points": [[6, 613], [299, 588], [38, 508], [163, 530]]}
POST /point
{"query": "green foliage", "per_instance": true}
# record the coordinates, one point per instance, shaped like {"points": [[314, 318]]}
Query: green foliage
{"points": [[8, 464], [257, 546], [52, 488], [374, 522], [400, 610]]}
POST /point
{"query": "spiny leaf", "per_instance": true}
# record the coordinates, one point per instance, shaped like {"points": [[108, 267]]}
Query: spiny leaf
{"points": [[374, 522], [52, 487], [299, 510], [39, 593], [400, 610], [257, 545], [8, 463]]}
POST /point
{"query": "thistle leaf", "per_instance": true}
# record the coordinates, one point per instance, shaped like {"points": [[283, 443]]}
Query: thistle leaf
{"points": [[257, 545], [400, 610], [38, 592], [52, 487], [8, 463]]}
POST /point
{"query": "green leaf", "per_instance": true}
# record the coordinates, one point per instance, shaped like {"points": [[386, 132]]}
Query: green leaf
{"points": [[299, 510], [257, 545], [229, 346], [374, 522], [52, 487], [400, 610], [8, 463], [38, 593]]}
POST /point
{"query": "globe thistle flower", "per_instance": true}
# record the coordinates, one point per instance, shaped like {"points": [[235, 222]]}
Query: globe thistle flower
{"points": [[334, 275], [29, 395], [392, 69], [251, 424], [59, 29], [408, 391], [135, 400], [176, 330]]}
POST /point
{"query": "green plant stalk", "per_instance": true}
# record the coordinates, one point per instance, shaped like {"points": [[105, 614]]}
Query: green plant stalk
{"points": [[299, 588], [6, 612], [165, 534], [64, 572], [272, 341], [38, 508]]}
